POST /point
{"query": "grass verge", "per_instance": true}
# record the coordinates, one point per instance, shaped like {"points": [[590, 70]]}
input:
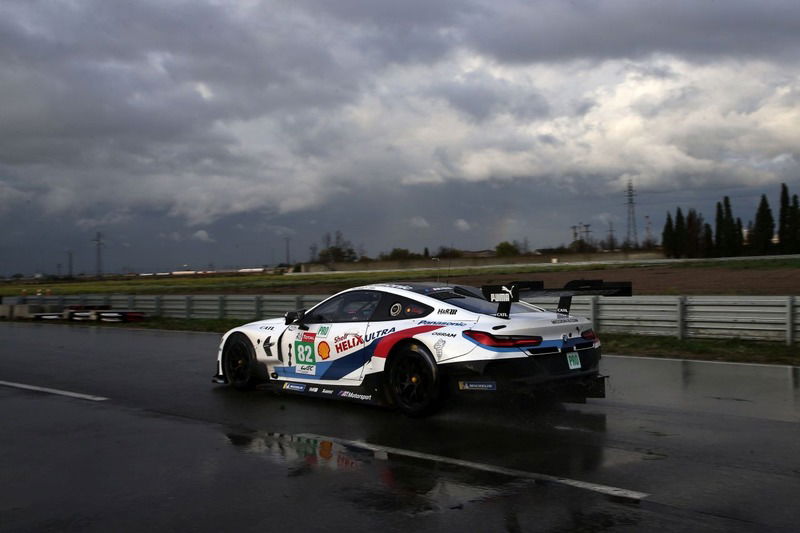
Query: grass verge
{"points": [[730, 350]]}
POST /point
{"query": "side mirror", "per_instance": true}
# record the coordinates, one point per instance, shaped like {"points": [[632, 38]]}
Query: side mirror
{"points": [[294, 316]]}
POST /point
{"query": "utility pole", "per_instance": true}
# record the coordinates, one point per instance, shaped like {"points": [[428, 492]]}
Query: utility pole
{"points": [[69, 263], [648, 231], [630, 194], [586, 232], [98, 240]]}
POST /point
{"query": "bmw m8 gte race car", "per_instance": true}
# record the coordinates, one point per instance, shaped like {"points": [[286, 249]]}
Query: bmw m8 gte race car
{"points": [[411, 345]]}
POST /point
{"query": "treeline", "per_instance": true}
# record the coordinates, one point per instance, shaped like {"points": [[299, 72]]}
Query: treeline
{"points": [[691, 236]]}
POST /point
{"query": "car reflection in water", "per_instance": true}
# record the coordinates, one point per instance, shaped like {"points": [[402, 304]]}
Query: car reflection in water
{"points": [[380, 480]]}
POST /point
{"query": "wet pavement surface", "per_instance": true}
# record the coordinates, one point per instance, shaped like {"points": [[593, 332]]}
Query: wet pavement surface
{"points": [[709, 446]]}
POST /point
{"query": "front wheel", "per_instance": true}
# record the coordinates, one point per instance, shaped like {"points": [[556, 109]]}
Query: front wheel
{"points": [[239, 362], [413, 381]]}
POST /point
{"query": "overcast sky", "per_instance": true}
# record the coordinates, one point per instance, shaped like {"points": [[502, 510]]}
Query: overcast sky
{"points": [[206, 132]]}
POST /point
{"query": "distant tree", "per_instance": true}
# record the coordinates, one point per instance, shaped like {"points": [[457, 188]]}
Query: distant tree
{"points": [[738, 238], [784, 221], [337, 251], [312, 253], [707, 245], [680, 234], [694, 233], [763, 229], [720, 235], [507, 249], [667, 237], [400, 254], [794, 226], [448, 253], [731, 238], [425, 253]]}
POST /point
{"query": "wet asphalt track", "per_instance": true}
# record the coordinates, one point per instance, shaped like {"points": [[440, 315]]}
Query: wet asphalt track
{"points": [[715, 447]]}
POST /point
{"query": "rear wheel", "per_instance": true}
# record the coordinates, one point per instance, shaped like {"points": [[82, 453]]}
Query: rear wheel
{"points": [[239, 362], [413, 381]]}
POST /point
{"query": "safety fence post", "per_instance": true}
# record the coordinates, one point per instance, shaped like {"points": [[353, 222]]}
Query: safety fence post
{"points": [[157, 306], [259, 306], [221, 307], [681, 318], [188, 305], [593, 313], [790, 320]]}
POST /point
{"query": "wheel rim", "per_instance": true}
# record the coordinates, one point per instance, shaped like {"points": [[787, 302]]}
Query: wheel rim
{"points": [[410, 381], [237, 363]]}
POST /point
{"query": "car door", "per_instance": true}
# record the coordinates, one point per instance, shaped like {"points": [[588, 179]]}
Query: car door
{"points": [[329, 343]]}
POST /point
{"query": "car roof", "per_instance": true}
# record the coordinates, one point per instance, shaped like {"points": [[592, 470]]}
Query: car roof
{"points": [[425, 288]]}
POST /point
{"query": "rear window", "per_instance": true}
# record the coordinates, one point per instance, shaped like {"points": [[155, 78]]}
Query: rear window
{"points": [[479, 305]]}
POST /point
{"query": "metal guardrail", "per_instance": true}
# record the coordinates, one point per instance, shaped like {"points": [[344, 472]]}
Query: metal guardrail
{"points": [[773, 318]]}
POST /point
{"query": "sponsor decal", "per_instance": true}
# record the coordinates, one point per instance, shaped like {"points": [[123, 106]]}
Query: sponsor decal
{"points": [[297, 387], [323, 331], [348, 341], [309, 370], [267, 328], [378, 334], [502, 297], [396, 309], [446, 311], [438, 347], [354, 395], [313, 389], [393, 286], [304, 349], [477, 385], [443, 334], [324, 350], [438, 323], [564, 320], [327, 391]]}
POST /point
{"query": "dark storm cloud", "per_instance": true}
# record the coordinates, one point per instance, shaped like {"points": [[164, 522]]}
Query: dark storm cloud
{"points": [[554, 30], [177, 118]]}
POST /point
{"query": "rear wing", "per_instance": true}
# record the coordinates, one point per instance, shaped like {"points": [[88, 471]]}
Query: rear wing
{"points": [[505, 295]]}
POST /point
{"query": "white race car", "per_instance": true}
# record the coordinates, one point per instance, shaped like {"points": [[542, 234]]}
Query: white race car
{"points": [[410, 345]]}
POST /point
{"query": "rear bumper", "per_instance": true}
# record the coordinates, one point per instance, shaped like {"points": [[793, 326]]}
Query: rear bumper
{"points": [[546, 372]]}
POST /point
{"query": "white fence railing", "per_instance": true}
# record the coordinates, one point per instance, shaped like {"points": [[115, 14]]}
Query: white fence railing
{"points": [[774, 318]]}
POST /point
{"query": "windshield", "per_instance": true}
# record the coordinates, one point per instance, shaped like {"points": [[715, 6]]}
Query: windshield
{"points": [[479, 305]]}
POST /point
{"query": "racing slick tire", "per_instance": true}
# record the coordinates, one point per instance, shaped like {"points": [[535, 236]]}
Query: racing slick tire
{"points": [[412, 381], [239, 362]]}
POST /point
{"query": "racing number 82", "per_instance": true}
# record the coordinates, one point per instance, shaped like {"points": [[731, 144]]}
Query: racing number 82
{"points": [[305, 353]]}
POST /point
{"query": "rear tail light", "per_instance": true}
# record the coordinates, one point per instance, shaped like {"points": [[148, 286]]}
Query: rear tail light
{"points": [[590, 335], [503, 341]]}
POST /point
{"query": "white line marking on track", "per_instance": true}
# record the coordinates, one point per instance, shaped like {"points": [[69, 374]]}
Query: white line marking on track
{"points": [[54, 391], [594, 487]]}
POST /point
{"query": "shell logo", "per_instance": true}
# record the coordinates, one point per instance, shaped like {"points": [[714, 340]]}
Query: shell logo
{"points": [[324, 350]]}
